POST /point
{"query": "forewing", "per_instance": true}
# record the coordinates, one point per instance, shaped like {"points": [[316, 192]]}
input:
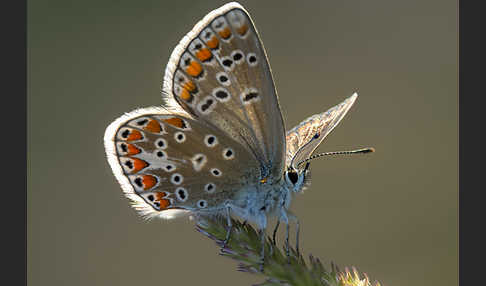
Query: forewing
{"points": [[167, 163], [219, 74], [304, 138]]}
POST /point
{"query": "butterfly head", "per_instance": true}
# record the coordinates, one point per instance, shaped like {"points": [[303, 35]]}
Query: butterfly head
{"points": [[298, 179]]}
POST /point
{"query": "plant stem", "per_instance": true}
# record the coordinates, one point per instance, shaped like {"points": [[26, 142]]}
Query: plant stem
{"points": [[244, 246]]}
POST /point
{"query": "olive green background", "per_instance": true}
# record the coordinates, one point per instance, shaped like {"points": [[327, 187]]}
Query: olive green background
{"points": [[392, 214]]}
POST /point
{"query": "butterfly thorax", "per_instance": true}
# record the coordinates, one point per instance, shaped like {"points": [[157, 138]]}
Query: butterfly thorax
{"points": [[256, 203]]}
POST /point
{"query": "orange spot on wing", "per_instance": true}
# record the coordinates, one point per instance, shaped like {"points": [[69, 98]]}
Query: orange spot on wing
{"points": [[153, 126], [134, 135], [174, 121], [160, 198], [194, 69], [160, 195], [164, 204], [190, 86], [263, 181], [225, 33], [213, 43], [242, 30], [138, 164], [185, 95], [132, 149], [204, 54], [187, 88], [148, 181]]}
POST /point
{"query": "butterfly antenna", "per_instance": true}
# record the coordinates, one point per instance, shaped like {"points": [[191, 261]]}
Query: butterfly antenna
{"points": [[358, 151]]}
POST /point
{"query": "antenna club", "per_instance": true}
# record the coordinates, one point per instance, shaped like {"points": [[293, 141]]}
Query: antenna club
{"points": [[368, 150]]}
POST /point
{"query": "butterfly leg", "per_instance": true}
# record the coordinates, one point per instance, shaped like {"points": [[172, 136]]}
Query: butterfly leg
{"points": [[275, 232], [262, 252], [262, 226], [287, 245], [297, 234], [230, 227], [285, 219], [285, 216]]}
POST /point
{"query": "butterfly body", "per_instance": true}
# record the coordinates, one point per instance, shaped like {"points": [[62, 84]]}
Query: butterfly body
{"points": [[218, 142], [257, 203]]}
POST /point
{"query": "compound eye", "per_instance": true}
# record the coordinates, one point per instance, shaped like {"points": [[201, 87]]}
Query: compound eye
{"points": [[293, 177]]}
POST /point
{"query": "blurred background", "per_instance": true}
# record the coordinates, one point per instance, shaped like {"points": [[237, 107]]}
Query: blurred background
{"points": [[392, 214]]}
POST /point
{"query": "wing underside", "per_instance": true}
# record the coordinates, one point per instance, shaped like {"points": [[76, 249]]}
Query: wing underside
{"points": [[304, 138], [219, 74]]}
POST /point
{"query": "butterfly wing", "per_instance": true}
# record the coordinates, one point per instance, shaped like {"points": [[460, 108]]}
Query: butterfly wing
{"points": [[219, 74], [304, 138], [220, 128], [168, 163]]}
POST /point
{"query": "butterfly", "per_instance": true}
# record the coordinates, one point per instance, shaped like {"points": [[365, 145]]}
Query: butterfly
{"points": [[218, 143]]}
